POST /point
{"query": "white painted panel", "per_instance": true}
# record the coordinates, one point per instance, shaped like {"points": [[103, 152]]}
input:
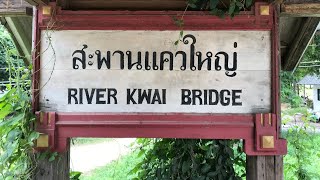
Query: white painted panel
{"points": [[316, 102], [252, 75]]}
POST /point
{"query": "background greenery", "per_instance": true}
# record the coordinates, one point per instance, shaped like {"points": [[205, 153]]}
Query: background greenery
{"points": [[302, 160], [83, 141], [289, 91], [116, 170], [5, 44], [16, 119]]}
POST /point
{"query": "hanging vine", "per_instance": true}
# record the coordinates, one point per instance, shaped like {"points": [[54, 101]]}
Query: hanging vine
{"points": [[16, 133], [221, 7]]}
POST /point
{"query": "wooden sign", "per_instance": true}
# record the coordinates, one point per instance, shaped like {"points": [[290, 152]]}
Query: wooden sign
{"points": [[121, 74], [144, 71]]}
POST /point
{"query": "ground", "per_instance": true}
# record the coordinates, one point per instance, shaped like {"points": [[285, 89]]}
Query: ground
{"points": [[87, 157]]}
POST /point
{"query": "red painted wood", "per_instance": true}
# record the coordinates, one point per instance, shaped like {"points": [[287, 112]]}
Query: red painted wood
{"points": [[153, 20], [208, 126], [36, 63], [61, 126], [276, 72], [157, 22]]}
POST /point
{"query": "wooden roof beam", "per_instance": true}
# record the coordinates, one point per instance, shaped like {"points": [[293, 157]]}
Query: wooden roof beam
{"points": [[20, 29], [301, 8], [300, 43], [15, 8], [37, 2]]}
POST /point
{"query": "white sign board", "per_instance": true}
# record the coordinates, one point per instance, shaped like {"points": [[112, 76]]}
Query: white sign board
{"points": [[144, 71]]}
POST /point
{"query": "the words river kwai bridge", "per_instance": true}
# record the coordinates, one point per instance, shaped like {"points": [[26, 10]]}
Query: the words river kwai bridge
{"points": [[107, 73]]}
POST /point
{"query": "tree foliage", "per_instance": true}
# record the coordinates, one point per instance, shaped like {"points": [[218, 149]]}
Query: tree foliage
{"points": [[308, 66], [6, 43], [311, 59], [190, 159], [8, 53], [16, 132], [219, 8], [288, 92], [301, 150]]}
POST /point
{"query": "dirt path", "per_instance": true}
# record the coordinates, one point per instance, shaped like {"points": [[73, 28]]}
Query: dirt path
{"points": [[85, 158]]}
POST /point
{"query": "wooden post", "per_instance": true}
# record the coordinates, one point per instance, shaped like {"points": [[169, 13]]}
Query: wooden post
{"points": [[267, 167], [55, 170], [264, 167]]}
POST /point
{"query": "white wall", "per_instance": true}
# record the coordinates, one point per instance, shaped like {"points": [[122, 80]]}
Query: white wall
{"points": [[316, 102]]}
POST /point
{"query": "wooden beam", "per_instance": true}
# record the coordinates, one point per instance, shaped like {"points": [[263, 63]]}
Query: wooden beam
{"points": [[37, 2], [123, 4], [22, 11], [15, 8], [300, 1], [20, 29], [300, 43], [300, 9]]}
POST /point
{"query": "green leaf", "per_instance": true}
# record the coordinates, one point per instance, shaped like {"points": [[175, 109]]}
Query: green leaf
{"points": [[2, 104], [53, 156], [7, 109], [12, 120], [185, 166], [212, 174], [239, 4], [181, 33], [209, 143], [33, 136], [180, 22], [204, 147], [13, 135], [75, 175], [9, 150], [220, 160], [232, 7], [248, 3], [205, 168], [176, 42], [8, 95], [136, 168], [213, 4], [43, 155], [192, 5], [218, 12], [141, 152], [236, 11]]}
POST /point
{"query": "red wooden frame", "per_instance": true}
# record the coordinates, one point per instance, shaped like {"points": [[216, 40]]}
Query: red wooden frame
{"points": [[249, 127]]}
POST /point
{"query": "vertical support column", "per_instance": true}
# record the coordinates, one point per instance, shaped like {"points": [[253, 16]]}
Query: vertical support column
{"points": [[264, 168], [55, 170], [270, 167]]}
